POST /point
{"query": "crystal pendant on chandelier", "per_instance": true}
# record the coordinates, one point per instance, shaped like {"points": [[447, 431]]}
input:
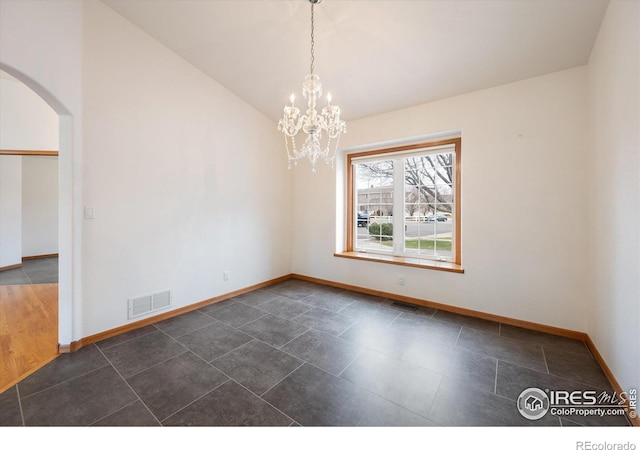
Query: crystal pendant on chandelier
{"points": [[322, 128]]}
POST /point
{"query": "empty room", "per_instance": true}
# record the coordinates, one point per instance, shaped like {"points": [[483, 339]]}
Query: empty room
{"points": [[329, 214]]}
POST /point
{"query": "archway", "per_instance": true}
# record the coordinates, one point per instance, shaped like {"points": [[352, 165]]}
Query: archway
{"points": [[69, 212]]}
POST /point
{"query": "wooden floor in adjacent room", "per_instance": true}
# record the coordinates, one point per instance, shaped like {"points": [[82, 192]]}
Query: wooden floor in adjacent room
{"points": [[28, 330]]}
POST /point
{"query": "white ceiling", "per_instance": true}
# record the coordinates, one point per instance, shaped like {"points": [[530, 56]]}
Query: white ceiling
{"points": [[373, 56]]}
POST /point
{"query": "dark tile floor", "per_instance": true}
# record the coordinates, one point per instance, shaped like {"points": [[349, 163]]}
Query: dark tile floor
{"points": [[33, 271], [298, 353]]}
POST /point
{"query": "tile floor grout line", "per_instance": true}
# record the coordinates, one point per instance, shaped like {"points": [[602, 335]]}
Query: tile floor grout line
{"points": [[20, 405], [129, 386], [195, 400], [505, 398], [192, 331], [396, 318], [345, 306], [239, 327], [28, 277], [281, 348], [286, 318], [119, 409], [485, 355], [291, 340], [360, 352], [363, 388], [303, 362], [495, 384], [66, 381], [394, 402], [267, 402], [186, 350], [569, 380], [128, 340], [544, 358], [349, 327], [433, 402], [298, 315], [365, 347], [229, 352], [455, 344]]}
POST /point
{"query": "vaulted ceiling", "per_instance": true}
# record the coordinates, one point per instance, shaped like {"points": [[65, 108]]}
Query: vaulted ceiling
{"points": [[373, 56]]}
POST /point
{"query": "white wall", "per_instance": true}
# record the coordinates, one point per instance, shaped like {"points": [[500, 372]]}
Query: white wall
{"points": [[28, 123], [39, 205], [10, 211], [187, 180], [524, 232], [614, 88], [28, 207]]}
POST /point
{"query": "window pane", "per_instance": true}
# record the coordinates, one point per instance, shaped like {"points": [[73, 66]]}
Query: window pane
{"points": [[429, 195], [444, 193], [417, 237], [374, 205]]}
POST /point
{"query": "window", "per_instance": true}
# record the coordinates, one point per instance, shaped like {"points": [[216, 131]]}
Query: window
{"points": [[404, 205]]}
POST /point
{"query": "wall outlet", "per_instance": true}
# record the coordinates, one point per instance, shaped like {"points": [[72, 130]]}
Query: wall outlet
{"points": [[225, 275], [401, 281]]}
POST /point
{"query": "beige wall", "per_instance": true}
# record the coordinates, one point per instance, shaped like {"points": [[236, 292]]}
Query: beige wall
{"points": [[614, 89], [10, 211], [187, 180], [39, 205]]}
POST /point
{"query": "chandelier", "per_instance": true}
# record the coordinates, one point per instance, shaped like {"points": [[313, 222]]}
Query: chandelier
{"points": [[314, 124]]}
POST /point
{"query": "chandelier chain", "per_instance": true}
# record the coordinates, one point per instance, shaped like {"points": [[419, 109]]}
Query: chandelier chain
{"points": [[312, 42]]}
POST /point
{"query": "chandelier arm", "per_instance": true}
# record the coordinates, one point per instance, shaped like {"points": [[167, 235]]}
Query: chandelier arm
{"points": [[289, 127]]}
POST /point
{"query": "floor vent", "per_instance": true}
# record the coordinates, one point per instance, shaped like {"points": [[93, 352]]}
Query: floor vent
{"points": [[149, 303], [407, 306]]}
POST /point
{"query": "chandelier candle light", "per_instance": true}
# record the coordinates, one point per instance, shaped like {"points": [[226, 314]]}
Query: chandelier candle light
{"points": [[313, 123]]}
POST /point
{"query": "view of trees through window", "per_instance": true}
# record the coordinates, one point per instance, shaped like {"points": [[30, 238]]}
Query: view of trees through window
{"points": [[405, 204]]}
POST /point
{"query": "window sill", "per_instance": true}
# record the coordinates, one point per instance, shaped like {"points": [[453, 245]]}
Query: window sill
{"points": [[403, 261]]}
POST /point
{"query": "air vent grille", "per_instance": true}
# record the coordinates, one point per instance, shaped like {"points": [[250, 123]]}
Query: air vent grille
{"points": [[161, 300], [407, 306], [147, 304]]}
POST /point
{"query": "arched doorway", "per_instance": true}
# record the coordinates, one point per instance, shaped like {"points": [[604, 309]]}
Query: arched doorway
{"points": [[67, 217]]}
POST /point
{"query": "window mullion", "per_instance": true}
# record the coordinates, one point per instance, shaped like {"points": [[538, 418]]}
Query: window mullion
{"points": [[398, 206]]}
